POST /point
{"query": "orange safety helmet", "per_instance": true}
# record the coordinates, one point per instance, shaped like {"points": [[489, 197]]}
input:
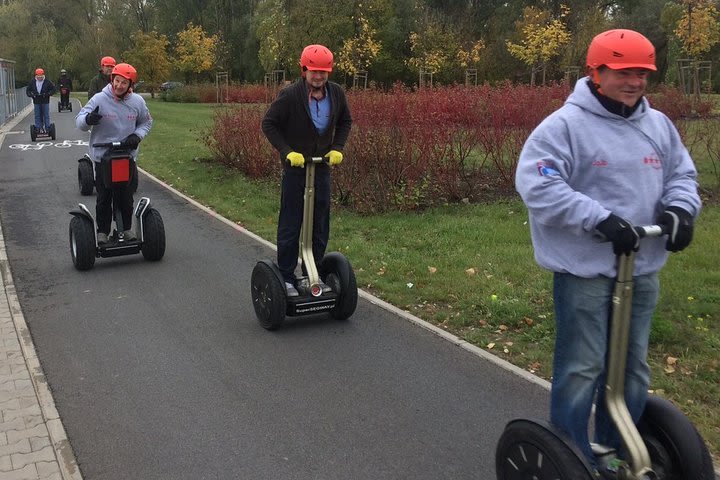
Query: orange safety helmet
{"points": [[618, 49], [316, 57], [39, 71], [107, 62], [125, 70]]}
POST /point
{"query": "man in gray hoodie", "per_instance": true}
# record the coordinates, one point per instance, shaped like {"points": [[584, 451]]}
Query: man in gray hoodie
{"points": [[115, 114], [602, 163]]}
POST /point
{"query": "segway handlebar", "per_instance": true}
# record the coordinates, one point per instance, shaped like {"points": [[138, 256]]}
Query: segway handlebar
{"points": [[107, 145], [652, 230]]}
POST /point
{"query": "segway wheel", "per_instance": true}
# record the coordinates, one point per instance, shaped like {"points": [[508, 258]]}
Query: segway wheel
{"points": [[268, 296], [86, 180], [337, 273], [528, 450], [51, 131], [82, 243], [33, 133], [677, 450], [153, 247], [59, 107], [69, 106]]}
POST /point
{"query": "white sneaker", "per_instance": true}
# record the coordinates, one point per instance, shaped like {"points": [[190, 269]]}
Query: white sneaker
{"points": [[129, 235], [102, 237], [291, 290]]}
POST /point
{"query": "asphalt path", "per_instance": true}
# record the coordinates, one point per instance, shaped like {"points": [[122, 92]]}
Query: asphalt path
{"points": [[159, 370]]}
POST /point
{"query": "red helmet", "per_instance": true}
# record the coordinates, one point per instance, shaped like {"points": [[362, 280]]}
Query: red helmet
{"points": [[107, 62], [316, 57], [39, 71], [617, 49], [125, 70]]}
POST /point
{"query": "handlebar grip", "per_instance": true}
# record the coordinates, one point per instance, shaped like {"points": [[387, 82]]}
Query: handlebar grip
{"points": [[319, 160], [107, 145], [652, 230]]}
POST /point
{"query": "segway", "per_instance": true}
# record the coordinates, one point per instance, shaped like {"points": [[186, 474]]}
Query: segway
{"points": [[330, 287], [62, 106], [117, 170], [48, 132], [664, 445]]}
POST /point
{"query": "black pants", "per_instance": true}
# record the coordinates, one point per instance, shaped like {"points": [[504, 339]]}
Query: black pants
{"points": [[107, 198], [291, 217], [64, 97]]}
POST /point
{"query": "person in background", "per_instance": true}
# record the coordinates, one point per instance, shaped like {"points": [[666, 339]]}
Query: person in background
{"points": [[603, 162], [309, 118], [65, 84], [115, 114], [40, 90], [100, 80]]}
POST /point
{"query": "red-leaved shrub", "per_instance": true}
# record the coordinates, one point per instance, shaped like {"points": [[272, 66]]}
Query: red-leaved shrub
{"points": [[237, 141]]}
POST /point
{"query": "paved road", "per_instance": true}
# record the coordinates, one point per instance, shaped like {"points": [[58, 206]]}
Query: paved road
{"points": [[160, 370]]}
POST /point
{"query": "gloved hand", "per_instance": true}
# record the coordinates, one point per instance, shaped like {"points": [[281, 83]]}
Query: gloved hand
{"points": [[296, 159], [621, 233], [335, 156], [679, 223], [131, 142], [93, 118]]}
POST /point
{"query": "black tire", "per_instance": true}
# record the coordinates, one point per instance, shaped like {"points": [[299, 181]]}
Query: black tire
{"points": [[33, 133], [70, 106], [527, 450], [82, 242], [153, 247], [86, 177], [59, 107], [677, 450], [51, 131], [337, 273], [268, 296]]}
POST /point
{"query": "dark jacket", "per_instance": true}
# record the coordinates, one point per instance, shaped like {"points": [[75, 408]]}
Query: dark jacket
{"points": [[289, 126], [43, 96], [65, 81], [97, 83]]}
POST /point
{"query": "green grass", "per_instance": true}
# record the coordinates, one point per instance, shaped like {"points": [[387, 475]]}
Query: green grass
{"points": [[469, 268]]}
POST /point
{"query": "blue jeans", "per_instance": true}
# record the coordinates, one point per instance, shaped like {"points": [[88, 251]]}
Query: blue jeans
{"points": [[582, 311], [42, 116]]}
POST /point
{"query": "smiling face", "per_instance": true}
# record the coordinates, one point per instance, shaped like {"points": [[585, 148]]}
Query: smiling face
{"points": [[316, 79], [120, 85], [626, 85]]}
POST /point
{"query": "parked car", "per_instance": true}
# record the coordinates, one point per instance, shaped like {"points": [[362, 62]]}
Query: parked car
{"points": [[167, 86]]}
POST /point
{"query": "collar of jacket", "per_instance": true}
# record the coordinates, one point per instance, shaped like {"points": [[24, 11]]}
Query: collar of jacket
{"points": [[613, 106]]}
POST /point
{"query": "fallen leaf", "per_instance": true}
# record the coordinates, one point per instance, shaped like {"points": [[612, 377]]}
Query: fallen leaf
{"points": [[528, 321], [432, 269], [671, 360], [470, 272], [490, 345]]}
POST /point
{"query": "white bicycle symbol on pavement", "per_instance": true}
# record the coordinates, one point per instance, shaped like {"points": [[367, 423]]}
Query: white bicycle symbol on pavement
{"points": [[41, 145]]}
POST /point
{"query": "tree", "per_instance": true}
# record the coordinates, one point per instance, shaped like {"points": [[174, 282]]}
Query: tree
{"points": [[150, 58], [195, 50], [434, 50], [271, 32], [698, 31], [358, 52], [542, 37]]}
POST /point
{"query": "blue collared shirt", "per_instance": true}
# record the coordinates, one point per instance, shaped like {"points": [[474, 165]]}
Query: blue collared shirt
{"points": [[320, 112]]}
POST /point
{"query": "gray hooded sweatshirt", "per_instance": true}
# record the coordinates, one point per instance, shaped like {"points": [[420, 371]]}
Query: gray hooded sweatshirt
{"points": [[120, 119], [583, 163]]}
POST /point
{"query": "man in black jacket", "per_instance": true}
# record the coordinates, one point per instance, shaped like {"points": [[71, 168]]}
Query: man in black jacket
{"points": [[310, 118], [65, 85], [40, 90]]}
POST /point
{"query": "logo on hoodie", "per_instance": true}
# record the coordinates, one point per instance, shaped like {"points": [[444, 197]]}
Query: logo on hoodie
{"points": [[546, 169], [653, 161]]}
